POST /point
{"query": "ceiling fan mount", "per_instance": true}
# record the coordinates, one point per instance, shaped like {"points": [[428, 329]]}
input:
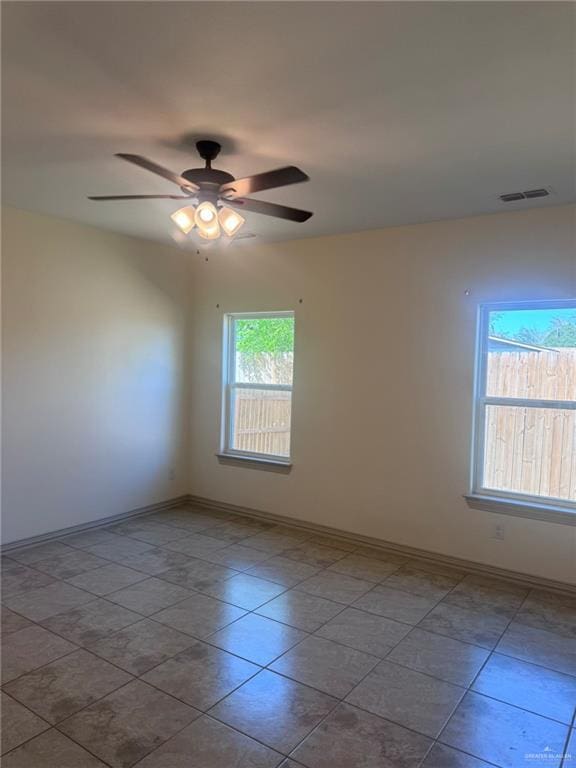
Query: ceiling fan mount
{"points": [[208, 150], [211, 187]]}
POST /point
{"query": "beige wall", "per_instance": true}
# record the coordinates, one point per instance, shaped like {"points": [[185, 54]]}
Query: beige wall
{"points": [[96, 369], [383, 377], [94, 328]]}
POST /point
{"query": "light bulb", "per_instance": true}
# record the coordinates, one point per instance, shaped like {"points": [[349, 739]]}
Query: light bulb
{"points": [[205, 215], [184, 219], [230, 221], [210, 231]]}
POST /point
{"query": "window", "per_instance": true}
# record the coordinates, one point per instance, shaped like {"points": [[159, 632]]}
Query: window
{"points": [[525, 410], [258, 364]]}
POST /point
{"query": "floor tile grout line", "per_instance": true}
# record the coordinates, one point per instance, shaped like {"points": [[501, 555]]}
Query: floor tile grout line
{"points": [[37, 669], [26, 707], [469, 754], [425, 674], [58, 731], [195, 706], [80, 648], [565, 753], [283, 755], [140, 573], [55, 578], [519, 708], [255, 738], [534, 663]]}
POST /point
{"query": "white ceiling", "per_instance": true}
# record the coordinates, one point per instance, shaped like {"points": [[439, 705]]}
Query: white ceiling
{"points": [[399, 112]]}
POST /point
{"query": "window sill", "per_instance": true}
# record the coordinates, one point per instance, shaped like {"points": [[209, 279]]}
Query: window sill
{"points": [[550, 513], [255, 462]]}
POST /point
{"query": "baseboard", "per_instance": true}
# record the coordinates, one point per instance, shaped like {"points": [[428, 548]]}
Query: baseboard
{"points": [[168, 504], [388, 546]]}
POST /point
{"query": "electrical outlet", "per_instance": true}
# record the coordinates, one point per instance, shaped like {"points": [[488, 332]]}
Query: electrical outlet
{"points": [[498, 532], [172, 474]]}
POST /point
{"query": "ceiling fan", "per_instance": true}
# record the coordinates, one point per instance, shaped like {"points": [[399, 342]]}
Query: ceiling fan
{"points": [[216, 196]]}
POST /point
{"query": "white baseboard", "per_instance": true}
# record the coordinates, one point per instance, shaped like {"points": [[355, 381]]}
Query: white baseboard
{"points": [[388, 546], [168, 504]]}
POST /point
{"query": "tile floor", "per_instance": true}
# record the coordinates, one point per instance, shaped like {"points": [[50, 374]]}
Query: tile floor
{"points": [[186, 639]]}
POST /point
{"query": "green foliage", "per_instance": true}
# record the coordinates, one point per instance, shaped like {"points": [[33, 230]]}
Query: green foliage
{"points": [[530, 336], [495, 318], [267, 334], [562, 333]]}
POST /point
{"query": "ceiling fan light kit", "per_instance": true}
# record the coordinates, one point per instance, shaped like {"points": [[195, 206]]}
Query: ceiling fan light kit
{"points": [[216, 194]]}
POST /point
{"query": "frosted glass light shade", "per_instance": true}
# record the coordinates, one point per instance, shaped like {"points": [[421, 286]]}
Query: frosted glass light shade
{"points": [[184, 218], [230, 220]]}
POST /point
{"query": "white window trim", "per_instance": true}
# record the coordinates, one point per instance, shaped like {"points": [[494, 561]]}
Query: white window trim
{"points": [[229, 383], [489, 499]]}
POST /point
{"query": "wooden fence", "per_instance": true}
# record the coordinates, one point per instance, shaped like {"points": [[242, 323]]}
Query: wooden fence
{"points": [[262, 422], [531, 450]]}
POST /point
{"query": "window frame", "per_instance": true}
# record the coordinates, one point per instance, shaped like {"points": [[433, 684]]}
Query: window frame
{"points": [[229, 383], [495, 499]]}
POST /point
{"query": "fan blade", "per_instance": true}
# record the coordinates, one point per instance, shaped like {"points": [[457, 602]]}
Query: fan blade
{"points": [[148, 165], [139, 197], [281, 177], [270, 209]]}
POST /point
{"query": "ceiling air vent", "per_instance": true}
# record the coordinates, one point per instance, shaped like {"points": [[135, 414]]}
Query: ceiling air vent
{"points": [[529, 194], [512, 197]]}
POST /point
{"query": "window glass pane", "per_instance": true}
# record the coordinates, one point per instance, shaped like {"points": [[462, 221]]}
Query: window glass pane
{"points": [[531, 451], [261, 421], [264, 350], [532, 354]]}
